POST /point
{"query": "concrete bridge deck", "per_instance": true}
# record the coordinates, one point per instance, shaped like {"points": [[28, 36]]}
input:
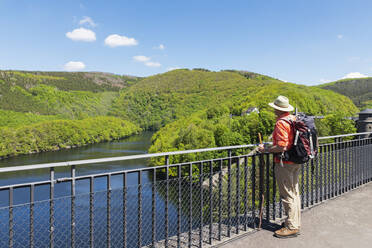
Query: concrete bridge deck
{"points": [[345, 221]]}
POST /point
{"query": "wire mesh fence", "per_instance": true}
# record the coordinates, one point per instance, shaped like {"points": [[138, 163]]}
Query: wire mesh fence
{"points": [[202, 203]]}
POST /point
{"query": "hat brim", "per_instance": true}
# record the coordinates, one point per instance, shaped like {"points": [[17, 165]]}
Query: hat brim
{"points": [[289, 108]]}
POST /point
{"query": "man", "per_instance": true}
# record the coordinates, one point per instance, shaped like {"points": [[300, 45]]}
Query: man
{"points": [[286, 172]]}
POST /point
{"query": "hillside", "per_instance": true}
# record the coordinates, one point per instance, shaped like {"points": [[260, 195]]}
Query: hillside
{"points": [[69, 94], [35, 108], [81, 81], [199, 108], [158, 100], [359, 90]]}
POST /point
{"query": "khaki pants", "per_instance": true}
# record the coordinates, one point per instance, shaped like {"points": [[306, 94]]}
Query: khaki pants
{"points": [[287, 179]]}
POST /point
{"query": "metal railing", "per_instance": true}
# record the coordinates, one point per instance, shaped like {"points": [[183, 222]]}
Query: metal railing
{"points": [[186, 204]]}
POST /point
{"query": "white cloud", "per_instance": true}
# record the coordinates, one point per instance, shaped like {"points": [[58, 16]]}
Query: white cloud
{"points": [[323, 81], [172, 68], [160, 47], [74, 66], [354, 75], [116, 40], [146, 61], [141, 58], [87, 20], [152, 64], [340, 36], [81, 34]]}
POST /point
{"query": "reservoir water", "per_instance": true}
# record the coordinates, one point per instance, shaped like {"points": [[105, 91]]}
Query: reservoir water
{"points": [[137, 144]]}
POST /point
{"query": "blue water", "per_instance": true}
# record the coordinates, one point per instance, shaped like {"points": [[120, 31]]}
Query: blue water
{"points": [[138, 144]]}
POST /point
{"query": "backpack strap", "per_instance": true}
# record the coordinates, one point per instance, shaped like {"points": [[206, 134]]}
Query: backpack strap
{"points": [[288, 120]]}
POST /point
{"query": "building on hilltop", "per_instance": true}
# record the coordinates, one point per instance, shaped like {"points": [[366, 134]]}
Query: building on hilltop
{"points": [[250, 110]]}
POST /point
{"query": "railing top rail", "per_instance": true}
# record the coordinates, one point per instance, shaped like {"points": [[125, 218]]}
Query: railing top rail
{"points": [[143, 156], [343, 135]]}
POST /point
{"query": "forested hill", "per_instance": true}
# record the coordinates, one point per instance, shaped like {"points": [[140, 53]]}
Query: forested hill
{"points": [[163, 98], [85, 81], [359, 90], [43, 111], [70, 94], [198, 109]]}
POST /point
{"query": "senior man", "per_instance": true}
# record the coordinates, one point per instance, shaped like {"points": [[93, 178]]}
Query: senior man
{"points": [[286, 172]]}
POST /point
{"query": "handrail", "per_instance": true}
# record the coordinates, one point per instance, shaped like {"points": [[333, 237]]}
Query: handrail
{"points": [[342, 135], [143, 156]]}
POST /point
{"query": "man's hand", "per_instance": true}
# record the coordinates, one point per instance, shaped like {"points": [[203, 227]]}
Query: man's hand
{"points": [[261, 148]]}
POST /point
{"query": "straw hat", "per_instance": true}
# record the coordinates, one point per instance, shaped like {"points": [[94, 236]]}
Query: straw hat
{"points": [[281, 103]]}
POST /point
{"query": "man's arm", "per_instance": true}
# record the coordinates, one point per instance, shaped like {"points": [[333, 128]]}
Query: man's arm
{"points": [[272, 149]]}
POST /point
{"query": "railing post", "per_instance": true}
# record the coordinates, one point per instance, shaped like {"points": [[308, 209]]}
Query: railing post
{"points": [[317, 178], [245, 192], [125, 192], [179, 195], [139, 209], [201, 179], [11, 221], [73, 192], [190, 205], [321, 174], [237, 203], [229, 195], [312, 168], [267, 165], [91, 212], [302, 186], [51, 209], [253, 178], [329, 175], [153, 236], [108, 204], [307, 183], [210, 201], [166, 203], [274, 190], [220, 200], [261, 184]]}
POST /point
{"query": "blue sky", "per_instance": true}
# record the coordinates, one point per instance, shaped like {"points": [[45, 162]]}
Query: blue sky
{"points": [[299, 41]]}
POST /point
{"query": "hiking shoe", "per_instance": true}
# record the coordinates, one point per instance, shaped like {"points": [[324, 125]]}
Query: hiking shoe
{"points": [[284, 233]]}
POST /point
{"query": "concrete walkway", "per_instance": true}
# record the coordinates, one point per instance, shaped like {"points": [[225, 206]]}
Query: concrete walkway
{"points": [[345, 221]]}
